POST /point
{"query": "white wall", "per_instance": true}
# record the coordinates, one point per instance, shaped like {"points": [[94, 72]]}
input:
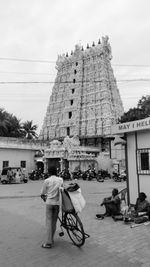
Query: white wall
{"points": [[15, 156], [143, 138], [143, 141], [145, 184], [132, 170]]}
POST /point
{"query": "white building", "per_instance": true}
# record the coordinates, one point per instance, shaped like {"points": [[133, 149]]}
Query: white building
{"points": [[15, 152], [137, 136]]}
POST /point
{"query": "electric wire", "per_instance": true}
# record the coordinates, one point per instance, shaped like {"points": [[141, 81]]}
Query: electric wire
{"points": [[27, 60], [54, 62], [28, 73], [69, 82]]}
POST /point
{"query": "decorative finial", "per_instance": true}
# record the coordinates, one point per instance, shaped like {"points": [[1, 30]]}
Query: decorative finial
{"points": [[93, 44], [87, 46], [82, 49], [67, 54]]}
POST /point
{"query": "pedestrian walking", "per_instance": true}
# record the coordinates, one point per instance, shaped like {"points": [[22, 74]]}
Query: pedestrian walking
{"points": [[50, 193]]}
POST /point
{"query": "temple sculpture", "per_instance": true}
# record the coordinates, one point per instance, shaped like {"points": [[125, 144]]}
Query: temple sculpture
{"points": [[85, 100]]}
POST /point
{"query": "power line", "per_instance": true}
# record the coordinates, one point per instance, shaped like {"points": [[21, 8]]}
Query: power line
{"points": [[69, 82], [35, 97], [54, 62], [54, 74], [26, 60], [128, 65], [36, 82], [36, 73], [135, 80], [28, 73]]}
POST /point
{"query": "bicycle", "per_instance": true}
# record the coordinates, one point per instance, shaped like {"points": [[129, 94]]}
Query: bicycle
{"points": [[71, 222]]}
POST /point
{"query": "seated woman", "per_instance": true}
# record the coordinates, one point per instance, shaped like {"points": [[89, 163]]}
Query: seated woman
{"points": [[142, 205], [141, 212], [112, 205]]}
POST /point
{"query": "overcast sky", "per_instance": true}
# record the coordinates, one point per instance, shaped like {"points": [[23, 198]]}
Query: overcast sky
{"points": [[39, 30]]}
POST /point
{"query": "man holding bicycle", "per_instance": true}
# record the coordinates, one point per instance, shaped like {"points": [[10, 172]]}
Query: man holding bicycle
{"points": [[50, 194]]}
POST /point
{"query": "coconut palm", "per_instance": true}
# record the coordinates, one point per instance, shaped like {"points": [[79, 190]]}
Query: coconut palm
{"points": [[4, 122], [29, 130], [14, 127], [9, 125]]}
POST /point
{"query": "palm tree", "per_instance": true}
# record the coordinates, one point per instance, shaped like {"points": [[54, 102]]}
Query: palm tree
{"points": [[14, 127], [9, 125], [4, 122], [29, 130]]}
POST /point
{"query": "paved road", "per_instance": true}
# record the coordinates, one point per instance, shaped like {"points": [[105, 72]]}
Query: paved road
{"points": [[22, 230]]}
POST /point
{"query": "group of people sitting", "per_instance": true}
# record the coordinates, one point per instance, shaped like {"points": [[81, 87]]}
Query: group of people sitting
{"points": [[113, 208]]}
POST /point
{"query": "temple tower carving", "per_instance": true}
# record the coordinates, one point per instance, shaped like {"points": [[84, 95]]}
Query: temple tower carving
{"points": [[85, 100]]}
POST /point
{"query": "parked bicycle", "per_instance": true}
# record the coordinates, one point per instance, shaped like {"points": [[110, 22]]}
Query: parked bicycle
{"points": [[70, 221]]}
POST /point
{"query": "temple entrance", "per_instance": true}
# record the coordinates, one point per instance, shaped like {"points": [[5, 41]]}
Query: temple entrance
{"points": [[40, 166], [66, 165], [54, 162]]}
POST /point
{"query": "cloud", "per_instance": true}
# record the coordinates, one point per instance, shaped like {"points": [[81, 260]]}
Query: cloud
{"points": [[37, 29]]}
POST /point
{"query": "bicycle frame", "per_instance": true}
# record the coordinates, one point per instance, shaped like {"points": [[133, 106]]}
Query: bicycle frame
{"points": [[73, 225]]}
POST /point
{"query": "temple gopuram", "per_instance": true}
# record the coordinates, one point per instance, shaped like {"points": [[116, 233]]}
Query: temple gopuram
{"points": [[85, 102]]}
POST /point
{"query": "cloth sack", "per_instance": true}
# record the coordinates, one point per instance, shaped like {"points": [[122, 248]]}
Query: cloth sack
{"points": [[77, 199], [66, 202], [124, 210]]}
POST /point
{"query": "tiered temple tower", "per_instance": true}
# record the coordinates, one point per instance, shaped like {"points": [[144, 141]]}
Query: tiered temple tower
{"points": [[85, 100]]}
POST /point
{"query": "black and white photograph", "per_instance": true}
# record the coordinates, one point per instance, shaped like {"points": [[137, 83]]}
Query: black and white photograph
{"points": [[75, 133]]}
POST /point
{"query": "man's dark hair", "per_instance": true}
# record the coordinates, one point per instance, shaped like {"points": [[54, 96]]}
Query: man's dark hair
{"points": [[115, 191], [52, 171], [143, 195]]}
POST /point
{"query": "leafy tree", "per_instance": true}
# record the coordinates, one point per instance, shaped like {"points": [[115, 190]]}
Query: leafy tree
{"points": [[142, 111], [14, 127], [144, 104], [10, 126], [29, 130]]}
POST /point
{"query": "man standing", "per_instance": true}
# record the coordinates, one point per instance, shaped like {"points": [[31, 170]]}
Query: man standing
{"points": [[50, 194]]}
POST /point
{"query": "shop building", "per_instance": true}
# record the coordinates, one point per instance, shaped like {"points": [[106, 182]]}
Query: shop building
{"points": [[137, 147]]}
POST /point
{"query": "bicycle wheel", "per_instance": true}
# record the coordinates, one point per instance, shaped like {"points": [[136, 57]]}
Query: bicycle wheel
{"points": [[74, 228]]}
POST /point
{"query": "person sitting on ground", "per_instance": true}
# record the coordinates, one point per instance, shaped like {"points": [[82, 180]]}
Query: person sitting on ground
{"points": [[112, 205], [142, 205], [140, 212]]}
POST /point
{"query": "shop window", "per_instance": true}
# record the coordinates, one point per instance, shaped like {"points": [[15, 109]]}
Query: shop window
{"points": [[143, 157], [23, 164], [71, 102], [70, 114], [5, 163], [144, 161]]}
